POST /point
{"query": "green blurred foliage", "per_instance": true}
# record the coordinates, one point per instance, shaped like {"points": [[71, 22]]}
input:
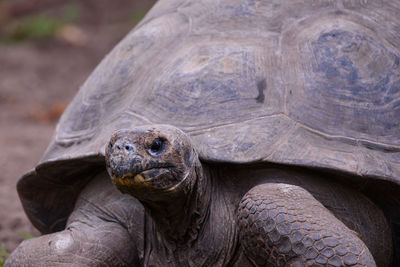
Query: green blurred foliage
{"points": [[138, 15], [40, 26], [35, 27], [3, 255], [26, 235]]}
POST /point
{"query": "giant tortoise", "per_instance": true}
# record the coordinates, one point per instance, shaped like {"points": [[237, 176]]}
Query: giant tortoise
{"points": [[235, 133]]}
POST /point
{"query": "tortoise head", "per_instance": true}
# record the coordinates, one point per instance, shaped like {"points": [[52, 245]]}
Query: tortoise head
{"points": [[150, 160]]}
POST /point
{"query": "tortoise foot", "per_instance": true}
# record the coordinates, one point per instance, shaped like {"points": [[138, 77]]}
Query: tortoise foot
{"points": [[96, 233], [284, 225]]}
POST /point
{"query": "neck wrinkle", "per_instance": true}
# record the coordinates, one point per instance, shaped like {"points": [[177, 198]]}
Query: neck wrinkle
{"points": [[182, 224]]}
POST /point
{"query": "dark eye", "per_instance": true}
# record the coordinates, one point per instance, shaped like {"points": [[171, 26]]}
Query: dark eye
{"points": [[129, 148], [157, 146]]}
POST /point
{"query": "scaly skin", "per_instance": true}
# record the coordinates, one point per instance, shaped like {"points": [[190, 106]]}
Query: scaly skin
{"points": [[284, 225]]}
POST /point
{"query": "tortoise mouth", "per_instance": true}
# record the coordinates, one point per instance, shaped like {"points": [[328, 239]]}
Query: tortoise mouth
{"points": [[152, 177], [152, 172], [147, 173]]}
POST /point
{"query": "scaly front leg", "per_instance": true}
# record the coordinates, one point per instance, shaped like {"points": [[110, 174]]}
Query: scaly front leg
{"points": [[101, 231], [284, 225]]}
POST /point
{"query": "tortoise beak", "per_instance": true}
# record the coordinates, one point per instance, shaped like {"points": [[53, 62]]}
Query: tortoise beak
{"points": [[123, 159], [122, 167]]}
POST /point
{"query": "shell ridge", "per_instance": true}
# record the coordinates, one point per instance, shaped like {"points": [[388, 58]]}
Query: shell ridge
{"points": [[129, 111], [281, 141], [217, 126], [333, 137]]}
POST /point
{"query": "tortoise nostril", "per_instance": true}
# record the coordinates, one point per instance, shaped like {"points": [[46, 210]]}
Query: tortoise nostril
{"points": [[122, 145]]}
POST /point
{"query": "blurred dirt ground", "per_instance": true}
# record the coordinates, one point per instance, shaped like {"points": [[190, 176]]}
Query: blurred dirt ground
{"points": [[47, 50]]}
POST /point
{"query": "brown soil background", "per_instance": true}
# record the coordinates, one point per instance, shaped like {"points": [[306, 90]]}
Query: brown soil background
{"points": [[38, 78]]}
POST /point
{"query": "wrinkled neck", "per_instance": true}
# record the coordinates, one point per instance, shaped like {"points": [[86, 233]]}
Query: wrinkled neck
{"points": [[180, 216]]}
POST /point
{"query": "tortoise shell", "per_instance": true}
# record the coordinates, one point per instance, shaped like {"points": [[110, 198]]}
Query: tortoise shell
{"points": [[305, 83]]}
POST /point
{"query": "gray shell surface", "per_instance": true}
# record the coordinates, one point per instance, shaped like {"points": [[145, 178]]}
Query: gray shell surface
{"points": [[305, 83]]}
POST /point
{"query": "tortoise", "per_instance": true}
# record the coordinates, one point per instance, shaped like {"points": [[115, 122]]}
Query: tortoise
{"points": [[236, 133]]}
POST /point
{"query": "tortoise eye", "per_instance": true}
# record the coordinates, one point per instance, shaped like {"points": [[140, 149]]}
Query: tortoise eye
{"points": [[157, 147], [129, 148]]}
